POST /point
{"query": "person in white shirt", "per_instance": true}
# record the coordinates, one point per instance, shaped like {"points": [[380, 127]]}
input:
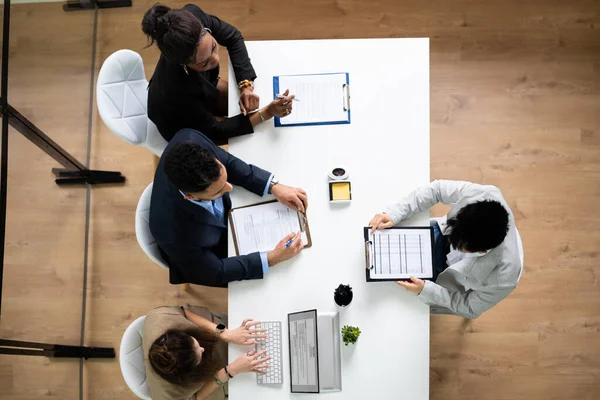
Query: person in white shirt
{"points": [[477, 261]]}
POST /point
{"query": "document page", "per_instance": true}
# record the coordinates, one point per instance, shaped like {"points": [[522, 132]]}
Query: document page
{"points": [[400, 253], [321, 98], [303, 352], [261, 227]]}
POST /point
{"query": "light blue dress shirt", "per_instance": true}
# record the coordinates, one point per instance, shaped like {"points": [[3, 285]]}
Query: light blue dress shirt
{"points": [[216, 208]]}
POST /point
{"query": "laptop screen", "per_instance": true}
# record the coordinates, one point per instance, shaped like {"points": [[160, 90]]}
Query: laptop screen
{"points": [[304, 356]]}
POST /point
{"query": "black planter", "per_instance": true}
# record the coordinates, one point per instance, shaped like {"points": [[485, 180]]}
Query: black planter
{"points": [[343, 295]]}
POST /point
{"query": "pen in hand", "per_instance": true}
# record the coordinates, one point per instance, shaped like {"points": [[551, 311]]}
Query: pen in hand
{"points": [[289, 242], [280, 96]]}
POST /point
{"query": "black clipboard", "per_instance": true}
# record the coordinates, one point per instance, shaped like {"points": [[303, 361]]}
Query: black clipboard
{"points": [[368, 251]]}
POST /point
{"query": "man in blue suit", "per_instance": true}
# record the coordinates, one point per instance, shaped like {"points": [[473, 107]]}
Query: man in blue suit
{"points": [[189, 207]]}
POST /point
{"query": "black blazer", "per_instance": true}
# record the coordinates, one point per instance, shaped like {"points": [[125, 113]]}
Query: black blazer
{"points": [[191, 239], [177, 100]]}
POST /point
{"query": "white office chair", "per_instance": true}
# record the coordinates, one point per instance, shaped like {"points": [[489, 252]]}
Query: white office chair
{"points": [[131, 359], [122, 95], [142, 228]]}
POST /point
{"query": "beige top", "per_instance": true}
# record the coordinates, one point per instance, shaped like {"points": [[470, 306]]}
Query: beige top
{"points": [[157, 322]]}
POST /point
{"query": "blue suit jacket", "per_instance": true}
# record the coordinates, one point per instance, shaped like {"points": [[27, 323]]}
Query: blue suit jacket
{"points": [[191, 239]]}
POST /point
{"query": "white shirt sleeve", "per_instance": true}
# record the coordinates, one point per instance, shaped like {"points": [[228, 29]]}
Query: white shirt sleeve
{"points": [[425, 197], [468, 305]]}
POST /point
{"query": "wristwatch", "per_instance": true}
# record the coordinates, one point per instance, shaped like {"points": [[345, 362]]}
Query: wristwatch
{"points": [[217, 380], [274, 182], [219, 329]]}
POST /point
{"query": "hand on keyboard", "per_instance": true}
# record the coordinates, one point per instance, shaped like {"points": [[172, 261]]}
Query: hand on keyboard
{"points": [[250, 362], [246, 334]]}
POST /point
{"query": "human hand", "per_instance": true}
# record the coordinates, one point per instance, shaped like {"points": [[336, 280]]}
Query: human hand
{"points": [[415, 285], [249, 101], [281, 253], [381, 221], [294, 198], [282, 106], [245, 334], [250, 362]]}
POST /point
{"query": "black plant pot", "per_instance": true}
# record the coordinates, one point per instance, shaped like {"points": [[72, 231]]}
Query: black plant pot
{"points": [[343, 295]]}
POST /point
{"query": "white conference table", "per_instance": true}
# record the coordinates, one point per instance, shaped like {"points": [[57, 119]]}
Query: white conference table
{"points": [[385, 149]]}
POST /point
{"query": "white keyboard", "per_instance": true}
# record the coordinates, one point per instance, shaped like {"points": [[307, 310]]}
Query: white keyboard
{"points": [[273, 344]]}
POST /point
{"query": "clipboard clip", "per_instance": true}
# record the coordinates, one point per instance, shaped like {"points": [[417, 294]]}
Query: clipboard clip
{"points": [[346, 90], [302, 221], [368, 244]]}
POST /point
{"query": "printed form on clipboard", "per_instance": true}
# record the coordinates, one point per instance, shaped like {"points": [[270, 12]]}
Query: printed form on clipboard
{"points": [[260, 227], [398, 253], [323, 99]]}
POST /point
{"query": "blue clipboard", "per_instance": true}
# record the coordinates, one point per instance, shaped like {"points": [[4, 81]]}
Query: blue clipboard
{"points": [[345, 91]]}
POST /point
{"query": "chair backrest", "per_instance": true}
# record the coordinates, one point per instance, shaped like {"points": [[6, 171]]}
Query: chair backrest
{"points": [[142, 228], [131, 359], [122, 96]]}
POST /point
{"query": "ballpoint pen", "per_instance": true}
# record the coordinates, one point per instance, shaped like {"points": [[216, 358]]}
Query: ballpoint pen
{"points": [[280, 96], [289, 242]]}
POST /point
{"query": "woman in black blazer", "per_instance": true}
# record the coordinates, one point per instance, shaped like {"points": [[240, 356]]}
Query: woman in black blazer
{"points": [[185, 90]]}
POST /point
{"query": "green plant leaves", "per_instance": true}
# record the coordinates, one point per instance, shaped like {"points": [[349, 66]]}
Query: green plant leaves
{"points": [[350, 334]]}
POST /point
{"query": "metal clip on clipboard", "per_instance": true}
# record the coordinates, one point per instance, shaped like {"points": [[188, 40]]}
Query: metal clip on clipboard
{"points": [[302, 221], [346, 90], [368, 244]]}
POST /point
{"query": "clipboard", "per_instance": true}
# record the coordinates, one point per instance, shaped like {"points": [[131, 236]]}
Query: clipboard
{"points": [[302, 221], [370, 262], [344, 93]]}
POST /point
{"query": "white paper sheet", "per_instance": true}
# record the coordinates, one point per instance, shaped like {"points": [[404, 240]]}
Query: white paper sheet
{"points": [[400, 253], [261, 227], [321, 98]]}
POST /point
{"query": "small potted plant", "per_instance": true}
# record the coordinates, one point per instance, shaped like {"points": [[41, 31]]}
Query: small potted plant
{"points": [[343, 295], [350, 334]]}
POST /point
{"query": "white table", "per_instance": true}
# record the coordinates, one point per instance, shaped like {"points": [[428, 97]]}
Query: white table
{"points": [[386, 151]]}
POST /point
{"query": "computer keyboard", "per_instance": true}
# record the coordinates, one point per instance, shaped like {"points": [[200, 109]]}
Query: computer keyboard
{"points": [[273, 344]]}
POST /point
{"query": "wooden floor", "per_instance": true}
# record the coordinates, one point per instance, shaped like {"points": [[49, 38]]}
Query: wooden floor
{"points": [[515, 102]]}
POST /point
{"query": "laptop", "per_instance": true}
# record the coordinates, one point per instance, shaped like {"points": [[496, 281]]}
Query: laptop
{"points": [[315, 352]]}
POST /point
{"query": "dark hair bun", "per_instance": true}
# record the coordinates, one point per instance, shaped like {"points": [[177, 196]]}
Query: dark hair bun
{"points": [[156, 22], [176, 32]]}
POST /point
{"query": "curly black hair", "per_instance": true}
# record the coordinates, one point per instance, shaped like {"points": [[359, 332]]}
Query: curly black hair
{"points": [[479, 226], [191, 168]]}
